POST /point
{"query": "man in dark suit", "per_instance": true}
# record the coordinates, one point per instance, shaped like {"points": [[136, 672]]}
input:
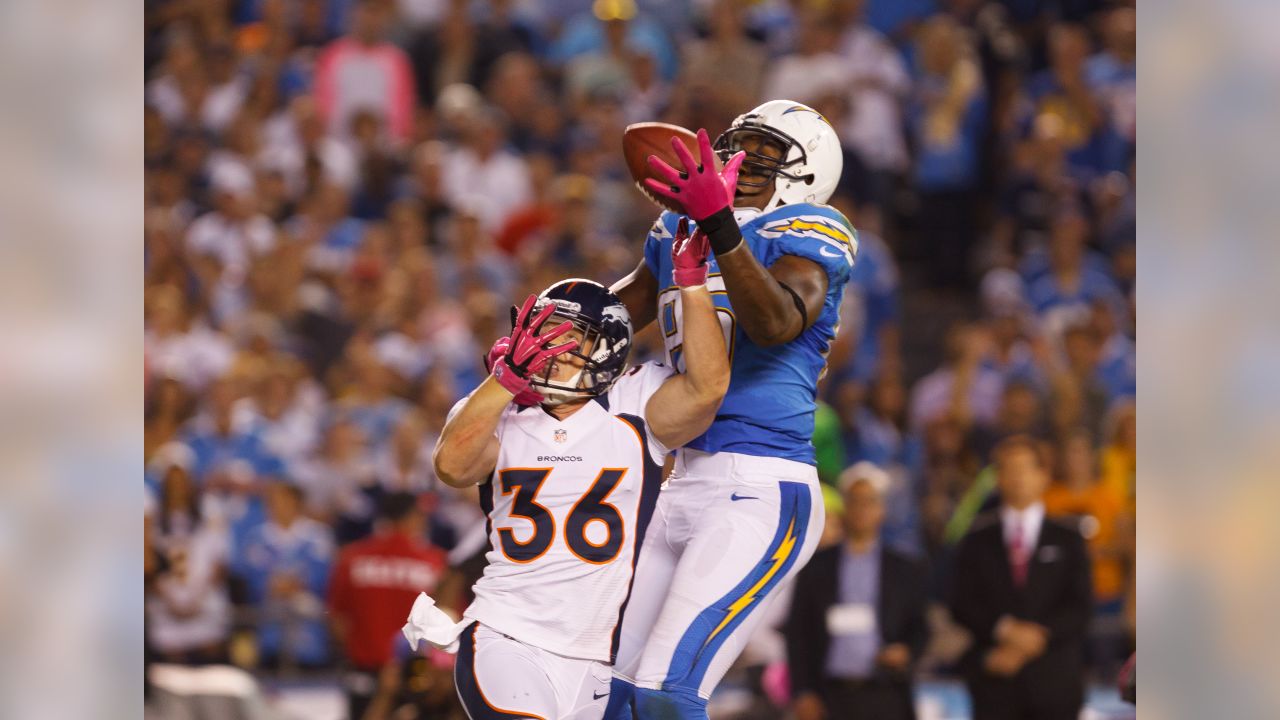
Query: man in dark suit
{"points": [[1021, 586], [857, 621]]}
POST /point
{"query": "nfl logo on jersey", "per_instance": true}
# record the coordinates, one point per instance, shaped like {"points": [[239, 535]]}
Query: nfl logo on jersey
{"points": [[561, 435]]}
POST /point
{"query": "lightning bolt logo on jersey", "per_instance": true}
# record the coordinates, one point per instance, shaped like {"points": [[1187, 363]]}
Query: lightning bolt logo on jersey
{"points": [[769, 408]]}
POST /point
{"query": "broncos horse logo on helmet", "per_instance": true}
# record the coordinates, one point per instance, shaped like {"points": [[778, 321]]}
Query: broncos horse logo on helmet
{"points": [[811, 161], [605, 325]]}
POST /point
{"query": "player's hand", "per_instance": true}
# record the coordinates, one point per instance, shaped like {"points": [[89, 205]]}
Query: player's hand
{"points": [[809, 706], [529, 351], [699, 189], [500, 348], [689, 256]]}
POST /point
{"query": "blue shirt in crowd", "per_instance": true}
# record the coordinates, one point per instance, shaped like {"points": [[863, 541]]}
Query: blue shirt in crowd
{"points": [[289, 626], [1085, 146], [1048, 295], [1116, 85], [1117, 368], [947, 166], [891, 16], [854, 647], [213, 450]]}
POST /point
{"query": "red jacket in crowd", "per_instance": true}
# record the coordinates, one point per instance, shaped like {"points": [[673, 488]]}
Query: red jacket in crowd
{"points": [[372, 588]]}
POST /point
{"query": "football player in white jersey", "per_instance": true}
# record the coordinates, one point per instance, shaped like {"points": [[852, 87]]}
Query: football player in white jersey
{"points": [[742, 511], [569, 486]]}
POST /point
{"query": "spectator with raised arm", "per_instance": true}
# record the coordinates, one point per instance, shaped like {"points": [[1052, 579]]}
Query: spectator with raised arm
{"points": [[946, 112]]}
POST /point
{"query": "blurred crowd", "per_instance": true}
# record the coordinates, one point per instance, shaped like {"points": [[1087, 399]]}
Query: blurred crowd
{"points": [[343, 198]]}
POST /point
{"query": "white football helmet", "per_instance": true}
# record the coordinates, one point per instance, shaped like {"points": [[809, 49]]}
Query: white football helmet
{"points": [[811, 161]]}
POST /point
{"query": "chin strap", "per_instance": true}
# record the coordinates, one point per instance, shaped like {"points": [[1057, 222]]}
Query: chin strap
{"points": [[556, 396]]}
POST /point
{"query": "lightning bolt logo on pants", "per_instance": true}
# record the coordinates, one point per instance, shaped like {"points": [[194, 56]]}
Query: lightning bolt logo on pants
{"points": [[717, 623], [779, 559]]}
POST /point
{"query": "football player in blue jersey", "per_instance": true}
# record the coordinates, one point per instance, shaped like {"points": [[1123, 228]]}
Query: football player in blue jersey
{"points": [[742, 510]]}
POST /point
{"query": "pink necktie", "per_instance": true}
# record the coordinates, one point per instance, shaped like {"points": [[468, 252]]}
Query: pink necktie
{"points": [[1018, 555]]}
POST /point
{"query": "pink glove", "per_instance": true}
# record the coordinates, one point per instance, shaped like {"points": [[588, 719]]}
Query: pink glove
{"points": [[529, 352], [500, 348], [689, 256], [699, 189]]}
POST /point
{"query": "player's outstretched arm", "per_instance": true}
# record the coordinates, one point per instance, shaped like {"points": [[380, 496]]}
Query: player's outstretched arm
{"points": [[468, 448], [773, 305], [686, 404]]}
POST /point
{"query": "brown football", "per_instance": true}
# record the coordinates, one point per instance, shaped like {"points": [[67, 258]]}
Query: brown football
{"points": [[641, 140]]}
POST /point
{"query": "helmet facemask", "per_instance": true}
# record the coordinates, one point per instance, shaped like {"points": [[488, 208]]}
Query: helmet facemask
{"points": [[590, 379], [757, 163]]}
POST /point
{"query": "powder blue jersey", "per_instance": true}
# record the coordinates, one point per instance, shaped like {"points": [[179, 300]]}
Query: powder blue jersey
{"points": [[769, 408]]}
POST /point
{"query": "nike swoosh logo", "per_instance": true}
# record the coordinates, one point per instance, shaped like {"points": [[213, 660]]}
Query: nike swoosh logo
{"points": [[824, 250], [594, 696], [736, 497]]}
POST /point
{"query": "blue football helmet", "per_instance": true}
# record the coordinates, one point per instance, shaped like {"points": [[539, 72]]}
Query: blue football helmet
{"points": [[605, 325]]}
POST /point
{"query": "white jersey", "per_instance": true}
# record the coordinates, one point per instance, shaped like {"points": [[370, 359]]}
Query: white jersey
{"points": [[567, 505]]}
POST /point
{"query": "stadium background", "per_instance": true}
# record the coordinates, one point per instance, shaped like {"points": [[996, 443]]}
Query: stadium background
{"points": [[342, 199]]}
